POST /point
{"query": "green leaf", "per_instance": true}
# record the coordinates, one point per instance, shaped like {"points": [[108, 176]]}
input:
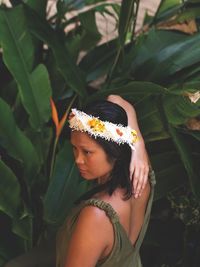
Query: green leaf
{"points": [[166, 10], [195, 134], [15, 39], [16, 143], [10, 200], [7, 238], [38, 5], [149, 119], [188, 14], [186, 156], [64, 188], [166, 57], [23, 227], [125, 18], [41, 91], [98, 61], [188, 86], [179, 109], [69, 5], [131, 89], [170, 173], [41, 142], [90, 35], [167, 4], [67, 67], [18, 52]]}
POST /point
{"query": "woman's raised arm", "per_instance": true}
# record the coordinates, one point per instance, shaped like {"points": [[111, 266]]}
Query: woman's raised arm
{"points": [[139, 165]]}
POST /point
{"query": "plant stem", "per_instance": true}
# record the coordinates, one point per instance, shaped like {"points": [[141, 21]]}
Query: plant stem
{"points": [[53, 157], [56, 140]]}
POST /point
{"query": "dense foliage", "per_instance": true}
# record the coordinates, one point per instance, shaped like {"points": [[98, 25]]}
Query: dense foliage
{"points": [[59, 57]]}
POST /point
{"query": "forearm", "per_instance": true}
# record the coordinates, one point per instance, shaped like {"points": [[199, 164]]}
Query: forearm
{"points": [[130, 111]]}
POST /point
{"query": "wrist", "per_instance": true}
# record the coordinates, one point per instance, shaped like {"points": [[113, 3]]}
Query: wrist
{"points": [[140, 142]]}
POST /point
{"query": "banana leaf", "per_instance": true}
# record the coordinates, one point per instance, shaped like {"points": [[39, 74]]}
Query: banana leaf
{"points": [[97, 62], [10, 200], [67, 67], [166, 56], [17, 144], [64, 188], [90, 35], [170, 173], [186, 156], [19, 57], [132, 89], [179, 109], [39, 6]]}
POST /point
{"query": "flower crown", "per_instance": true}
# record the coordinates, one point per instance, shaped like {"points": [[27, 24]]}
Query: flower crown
{"points": [[80, 121]]}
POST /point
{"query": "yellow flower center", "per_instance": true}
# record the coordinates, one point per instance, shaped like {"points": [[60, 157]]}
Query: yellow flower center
{"points": [[96, 125], [135, 136]]}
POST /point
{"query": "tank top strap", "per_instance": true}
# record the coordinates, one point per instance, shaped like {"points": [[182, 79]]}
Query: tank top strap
{"points": [[139, 241], [110, 212]]}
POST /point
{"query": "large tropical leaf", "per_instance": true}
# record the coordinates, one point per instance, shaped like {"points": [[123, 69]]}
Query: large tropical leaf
{"points": [[38, 5], [22, 226], [135, 89], [167, 9], [10, 200], [17, 144], [179, 109], [64, 188], [166, 56], [70, 72], [170, 173], [150, 119], [97, 62], [90, 35], [19, 57], [187, 159]]}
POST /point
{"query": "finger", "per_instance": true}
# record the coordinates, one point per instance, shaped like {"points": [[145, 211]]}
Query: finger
{"points": [[138, 181], [135, 180], [145, 177], [142, 180], [139, 188], [131, 172]]}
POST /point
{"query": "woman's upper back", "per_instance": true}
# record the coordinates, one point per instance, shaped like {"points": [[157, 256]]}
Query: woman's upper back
{"points": [[122, 253], [110, 233]]}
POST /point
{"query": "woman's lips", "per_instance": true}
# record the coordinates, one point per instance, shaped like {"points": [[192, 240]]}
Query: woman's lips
{"points": [[82, 171]]}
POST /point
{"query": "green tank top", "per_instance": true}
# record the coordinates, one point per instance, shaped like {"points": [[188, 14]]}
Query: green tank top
{"points": [[123, 253]]}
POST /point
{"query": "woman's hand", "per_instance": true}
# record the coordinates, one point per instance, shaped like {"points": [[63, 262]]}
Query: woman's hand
{"points": [[139, 168]]}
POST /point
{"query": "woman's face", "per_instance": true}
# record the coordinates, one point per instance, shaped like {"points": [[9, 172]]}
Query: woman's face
{"points": [[90, 157]]}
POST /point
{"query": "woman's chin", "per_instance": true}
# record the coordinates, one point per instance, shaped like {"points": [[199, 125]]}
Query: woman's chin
{"points": [[86, 175]]}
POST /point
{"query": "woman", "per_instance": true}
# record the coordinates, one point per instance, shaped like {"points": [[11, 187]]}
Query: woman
{"points": [[107, 227]]}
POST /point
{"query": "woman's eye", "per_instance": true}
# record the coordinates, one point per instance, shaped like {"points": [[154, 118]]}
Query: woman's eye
{"points": [[87, 152]]}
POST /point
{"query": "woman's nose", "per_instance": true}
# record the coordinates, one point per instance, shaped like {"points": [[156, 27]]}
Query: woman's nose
{"points": [[79, 159]]}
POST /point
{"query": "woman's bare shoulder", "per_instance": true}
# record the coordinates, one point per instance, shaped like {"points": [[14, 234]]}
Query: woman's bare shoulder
{"points": [[90, 237], [95, 220]]}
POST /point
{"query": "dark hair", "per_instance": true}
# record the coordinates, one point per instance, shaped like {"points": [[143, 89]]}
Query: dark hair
{"points": [[119, 153]]}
